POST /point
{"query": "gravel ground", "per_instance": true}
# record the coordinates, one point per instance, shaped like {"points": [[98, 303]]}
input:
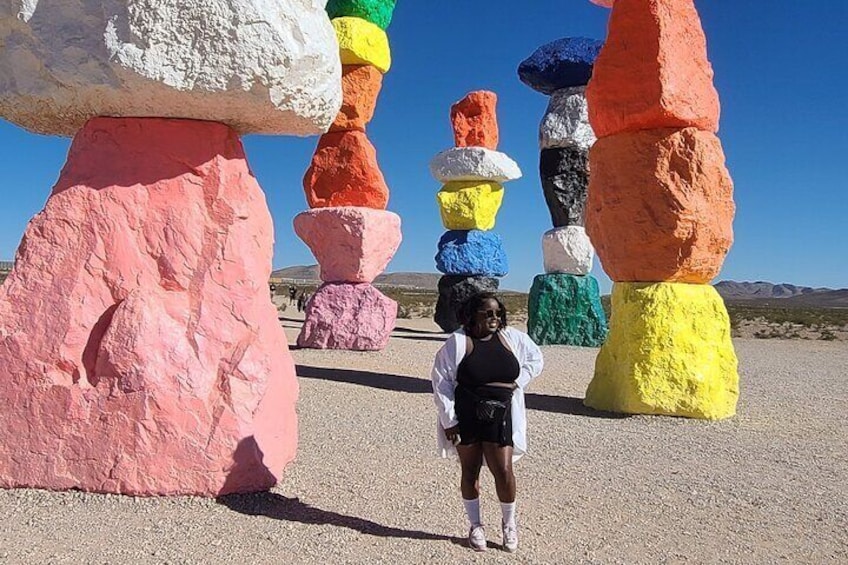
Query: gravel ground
{"points": [[768, 486]]}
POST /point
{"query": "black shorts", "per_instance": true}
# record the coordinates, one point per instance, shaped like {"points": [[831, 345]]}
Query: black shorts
{"points": [[473, 429]]}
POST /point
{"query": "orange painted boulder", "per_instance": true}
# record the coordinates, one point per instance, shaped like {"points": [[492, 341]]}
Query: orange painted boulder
{"points": [[344, 172], [475, 120], [660, 205], [139, 351], [653, 71], [361, 86]]}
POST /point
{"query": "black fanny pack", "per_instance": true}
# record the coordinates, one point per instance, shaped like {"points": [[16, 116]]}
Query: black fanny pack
{"points": [[489, 410]]}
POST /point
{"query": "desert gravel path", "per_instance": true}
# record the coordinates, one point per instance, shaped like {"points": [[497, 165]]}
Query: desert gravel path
{"points": [[769, 486]]}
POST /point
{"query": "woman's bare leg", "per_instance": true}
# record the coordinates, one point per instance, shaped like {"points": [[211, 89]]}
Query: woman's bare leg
{"points": [[499, 460], [471, 460]]}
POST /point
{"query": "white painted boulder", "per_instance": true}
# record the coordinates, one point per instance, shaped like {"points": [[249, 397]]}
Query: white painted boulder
{"points": [[474, 163], [257, 66], [566, 122], [567, 250]]}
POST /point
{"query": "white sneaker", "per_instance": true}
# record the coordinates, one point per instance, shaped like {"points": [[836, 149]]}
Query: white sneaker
{"points": [[477, 538], [510, 537]]}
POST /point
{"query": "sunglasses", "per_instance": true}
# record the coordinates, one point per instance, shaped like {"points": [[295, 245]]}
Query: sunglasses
{"points": [[488, 314]]}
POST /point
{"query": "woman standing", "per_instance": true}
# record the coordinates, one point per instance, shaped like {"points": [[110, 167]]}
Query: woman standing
{"points": [[479, 377]]}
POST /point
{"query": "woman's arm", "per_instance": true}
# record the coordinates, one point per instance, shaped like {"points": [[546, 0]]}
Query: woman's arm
{"points": [[443, 376]]}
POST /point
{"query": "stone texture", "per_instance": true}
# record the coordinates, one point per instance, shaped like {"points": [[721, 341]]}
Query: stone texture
{"points": [[361, 86], [140, 352], [567, 250], [564, 63], [565, 182], [474, 164], [604, 3], [67, 61], [471, 205], [475, 120], [344, 172], [660, 206], [454, 290], [566, 122], [472, 253], [351, 244], [566, 310], [353, 317], [668, 352], [653, 71], [378, 12], [363, 43]]}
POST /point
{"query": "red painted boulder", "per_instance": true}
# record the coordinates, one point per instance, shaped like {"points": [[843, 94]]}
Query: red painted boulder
{"points": [[361, 86], [653, 71], [139, 351], [353, 317], [660, 205], [344, 172], [475, 120], [351, 244]]}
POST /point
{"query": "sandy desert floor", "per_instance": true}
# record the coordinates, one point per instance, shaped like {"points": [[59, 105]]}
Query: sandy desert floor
{"points": [[768, 486]]}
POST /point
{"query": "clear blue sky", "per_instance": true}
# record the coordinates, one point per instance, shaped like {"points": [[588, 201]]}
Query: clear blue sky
{"points": [[781, 71]]}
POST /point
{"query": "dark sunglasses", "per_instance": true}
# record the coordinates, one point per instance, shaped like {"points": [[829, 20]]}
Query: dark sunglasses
{"points": [[490, 313]]}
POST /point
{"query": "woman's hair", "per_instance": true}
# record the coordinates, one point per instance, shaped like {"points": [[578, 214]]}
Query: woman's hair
{"points": [[474, 303]]}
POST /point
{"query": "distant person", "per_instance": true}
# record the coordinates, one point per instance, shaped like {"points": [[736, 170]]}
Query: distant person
{"points": [[292, 293], [300, 302], [273, 289], [479, 377]]}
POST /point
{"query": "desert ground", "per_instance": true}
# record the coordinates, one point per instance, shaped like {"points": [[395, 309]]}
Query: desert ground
{"points": [[768, 486]]}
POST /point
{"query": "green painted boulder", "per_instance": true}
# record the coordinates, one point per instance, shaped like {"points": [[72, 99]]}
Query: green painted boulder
{"points": [[378, 12], [566, 310]]}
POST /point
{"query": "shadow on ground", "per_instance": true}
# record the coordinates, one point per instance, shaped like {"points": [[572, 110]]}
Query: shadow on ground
{"points": [[401, 383], [278, 507]]}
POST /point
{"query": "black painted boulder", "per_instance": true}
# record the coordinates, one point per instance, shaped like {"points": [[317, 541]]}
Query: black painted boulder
{"points": [[566, 310], [454, 291], [565, 180]]}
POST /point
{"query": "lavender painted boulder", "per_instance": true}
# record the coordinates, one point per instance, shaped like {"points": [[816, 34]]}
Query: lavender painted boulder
{"points": [[354, 317], [352, 244]]}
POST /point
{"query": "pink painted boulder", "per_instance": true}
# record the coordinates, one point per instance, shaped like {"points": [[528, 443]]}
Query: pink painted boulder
{"points": [[354, 317], [139, 350], [351, 244]]}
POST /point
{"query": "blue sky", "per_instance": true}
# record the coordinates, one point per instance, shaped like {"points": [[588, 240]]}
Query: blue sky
{"points": [[780, 70]]}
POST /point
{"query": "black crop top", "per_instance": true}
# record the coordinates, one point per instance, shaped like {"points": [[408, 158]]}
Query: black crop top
{"points": [[489, 362]]}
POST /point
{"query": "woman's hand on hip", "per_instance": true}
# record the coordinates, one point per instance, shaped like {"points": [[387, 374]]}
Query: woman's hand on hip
{"points": [[452, 434]]}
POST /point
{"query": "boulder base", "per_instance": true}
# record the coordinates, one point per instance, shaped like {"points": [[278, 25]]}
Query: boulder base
{"points": [[669, 352], [351, 244], [344, 172], [653, 71], [454, 291], [353, 317], [470, 205], [139, 351], [565, 181], [566, 310], [660, 206], [472, 253]]}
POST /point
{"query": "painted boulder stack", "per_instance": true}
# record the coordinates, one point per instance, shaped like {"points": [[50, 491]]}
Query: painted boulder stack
{"points": [[565, 303], [472, 175], [139, 350], [348, 228], [660, 213]]}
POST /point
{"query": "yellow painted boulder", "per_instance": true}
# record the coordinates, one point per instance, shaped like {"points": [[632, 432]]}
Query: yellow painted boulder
{"points": [[470, 205], [363, 43], [668, 352]]}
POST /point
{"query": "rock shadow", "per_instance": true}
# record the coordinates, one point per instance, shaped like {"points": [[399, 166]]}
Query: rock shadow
{"points": [[248, 473], [278, 507]]}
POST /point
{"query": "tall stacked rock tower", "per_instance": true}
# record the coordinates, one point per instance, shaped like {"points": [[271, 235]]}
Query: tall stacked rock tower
{"points": [[565, 302], [660, 214], [139, 350], [472, 173], [348, 228]]}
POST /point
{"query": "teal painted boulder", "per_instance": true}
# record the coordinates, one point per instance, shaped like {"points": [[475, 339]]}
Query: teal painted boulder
{"points": [[566, 310], [378, 12]]}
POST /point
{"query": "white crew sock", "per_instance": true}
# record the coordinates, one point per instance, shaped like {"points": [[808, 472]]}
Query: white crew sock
{"points": [[472, 510], [508, 512]]}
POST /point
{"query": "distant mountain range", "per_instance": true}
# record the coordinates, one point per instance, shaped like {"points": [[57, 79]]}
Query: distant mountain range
{"points": [[788, 295]]}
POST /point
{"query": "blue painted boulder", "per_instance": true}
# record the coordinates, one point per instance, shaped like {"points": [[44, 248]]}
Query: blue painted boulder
{"points": [[472, 252], [564, 63]]}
